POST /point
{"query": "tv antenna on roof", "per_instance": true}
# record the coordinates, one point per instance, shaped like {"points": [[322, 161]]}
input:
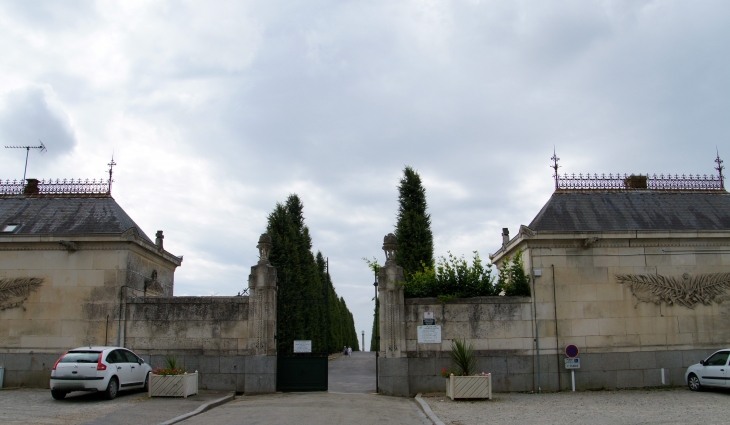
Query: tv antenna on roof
{"points": [[42, 148]]}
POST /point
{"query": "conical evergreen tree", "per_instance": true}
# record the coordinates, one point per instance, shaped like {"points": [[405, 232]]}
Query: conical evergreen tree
{"points": [[304, 286], [413, 229]]}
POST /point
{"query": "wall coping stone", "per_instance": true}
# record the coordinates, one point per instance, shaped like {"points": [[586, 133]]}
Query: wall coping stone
{"points": [[473, 300], [188, 300]]}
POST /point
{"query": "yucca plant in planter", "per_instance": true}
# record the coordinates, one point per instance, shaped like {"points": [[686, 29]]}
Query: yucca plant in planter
{"points": [[464, 383], [172, 380]]}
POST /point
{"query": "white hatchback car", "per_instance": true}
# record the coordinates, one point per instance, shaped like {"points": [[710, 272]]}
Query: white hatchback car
{"points": [[107, 369], [712, 372]]}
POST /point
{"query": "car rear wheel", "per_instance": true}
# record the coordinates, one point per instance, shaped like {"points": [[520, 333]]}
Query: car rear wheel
{"points": [[112, 389], [58, 395], [693, 382], [146, 387]]}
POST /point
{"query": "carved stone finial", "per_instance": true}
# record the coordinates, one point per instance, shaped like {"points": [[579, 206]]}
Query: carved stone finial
{"points": [[264, 247], [390, 246]]}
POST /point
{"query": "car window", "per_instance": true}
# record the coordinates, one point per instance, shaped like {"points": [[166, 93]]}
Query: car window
{"points": [[130, 358], [81, 357], [115, 357], [718, 359]]}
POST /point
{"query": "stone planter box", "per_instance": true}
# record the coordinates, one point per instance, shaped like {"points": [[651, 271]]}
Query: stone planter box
{"points": [[173, 385], [469, 387]]}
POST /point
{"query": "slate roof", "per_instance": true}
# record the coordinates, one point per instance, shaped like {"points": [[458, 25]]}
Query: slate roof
{"points": [[66, 216], [595, 211]]}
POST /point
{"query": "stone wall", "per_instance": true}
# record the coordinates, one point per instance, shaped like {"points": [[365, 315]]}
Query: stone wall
{"points": [[208, 334], [502, 332], [500, 328], [624, 341], [76, 304]]}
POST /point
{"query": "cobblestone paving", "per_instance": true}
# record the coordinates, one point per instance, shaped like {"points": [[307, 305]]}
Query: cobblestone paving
{"points": [[662, 406], [36, 406]]}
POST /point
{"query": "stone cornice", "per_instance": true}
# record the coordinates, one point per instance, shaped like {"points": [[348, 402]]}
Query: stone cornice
{"points": [[527, 238], [85, 242]]}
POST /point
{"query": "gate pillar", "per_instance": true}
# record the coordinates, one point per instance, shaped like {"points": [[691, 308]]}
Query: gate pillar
{"points": [[393, 370], [261, 362]]}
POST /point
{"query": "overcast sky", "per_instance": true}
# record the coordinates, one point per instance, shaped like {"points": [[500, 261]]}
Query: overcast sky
{"points": [[215, 111]]}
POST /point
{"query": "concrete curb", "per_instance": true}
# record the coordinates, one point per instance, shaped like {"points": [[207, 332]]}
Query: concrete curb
{"points": [[201, 409], [427, 410]]}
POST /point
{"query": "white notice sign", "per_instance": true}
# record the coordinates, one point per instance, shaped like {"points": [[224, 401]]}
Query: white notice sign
{"points": [[429, 334], [303, 346], [572, 363]]}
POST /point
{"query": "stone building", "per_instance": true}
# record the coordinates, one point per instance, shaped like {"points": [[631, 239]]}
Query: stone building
{"points": [[634, 271], [69, 257]]}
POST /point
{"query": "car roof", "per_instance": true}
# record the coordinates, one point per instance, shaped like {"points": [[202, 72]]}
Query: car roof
{"points": [[96, 348]]}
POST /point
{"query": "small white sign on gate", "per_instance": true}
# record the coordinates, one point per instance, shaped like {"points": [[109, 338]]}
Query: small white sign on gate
{"points": [[429, 334], [303, 346]]}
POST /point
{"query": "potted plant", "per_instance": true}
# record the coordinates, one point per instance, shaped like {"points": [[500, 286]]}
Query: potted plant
{"points": [[464, 382], [172, 380]]}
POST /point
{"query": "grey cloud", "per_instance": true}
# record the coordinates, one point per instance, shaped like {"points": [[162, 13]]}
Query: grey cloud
{"points": [[30, 115], [331, 99]]}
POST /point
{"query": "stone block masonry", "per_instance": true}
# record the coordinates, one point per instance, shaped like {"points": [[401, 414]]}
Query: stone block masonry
{"points": [[207, 334]]}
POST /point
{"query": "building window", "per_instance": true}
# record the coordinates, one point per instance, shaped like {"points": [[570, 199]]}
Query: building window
{"points": [[9, 228]]}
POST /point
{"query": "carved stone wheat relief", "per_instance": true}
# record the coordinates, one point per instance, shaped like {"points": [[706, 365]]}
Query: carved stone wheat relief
{"points": [[15, 290], [687, 291]]}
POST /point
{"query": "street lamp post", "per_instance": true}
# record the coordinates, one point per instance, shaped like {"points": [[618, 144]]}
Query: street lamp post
{"points": [[363, 341], [377, 334]]}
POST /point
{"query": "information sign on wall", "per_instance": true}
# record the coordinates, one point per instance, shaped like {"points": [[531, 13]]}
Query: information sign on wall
{"points": [[429, 334], [572, 363], [428, 318], [303, 346]]}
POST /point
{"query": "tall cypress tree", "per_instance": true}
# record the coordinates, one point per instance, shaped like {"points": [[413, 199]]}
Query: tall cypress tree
{"points": [[303, 279], [413, 229]]}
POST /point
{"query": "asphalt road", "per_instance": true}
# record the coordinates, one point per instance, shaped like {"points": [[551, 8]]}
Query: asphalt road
{"points": [[350, 400], [320, 408], [354, 374]]}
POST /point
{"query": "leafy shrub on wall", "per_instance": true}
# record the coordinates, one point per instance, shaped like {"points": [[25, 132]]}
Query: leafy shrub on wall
{"points": [[512, 279], [453, 277]]}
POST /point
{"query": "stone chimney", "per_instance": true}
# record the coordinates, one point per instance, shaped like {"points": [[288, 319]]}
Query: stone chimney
{"points": [[31, 188], [505, 236], [158, 239]]}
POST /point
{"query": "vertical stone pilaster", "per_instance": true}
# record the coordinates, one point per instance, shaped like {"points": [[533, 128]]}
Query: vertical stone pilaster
{"points": [[392, 314], [393, 370], [261, 363]]}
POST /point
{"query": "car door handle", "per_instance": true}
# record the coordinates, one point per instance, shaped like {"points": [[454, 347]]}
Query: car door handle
{"points": [[119, 367], [132, 367]]}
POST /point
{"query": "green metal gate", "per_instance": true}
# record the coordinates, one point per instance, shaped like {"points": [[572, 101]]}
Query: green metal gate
{"points": [[302, 371]]}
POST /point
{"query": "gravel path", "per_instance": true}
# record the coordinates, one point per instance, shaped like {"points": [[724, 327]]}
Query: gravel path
{"points": [[665, 406]]}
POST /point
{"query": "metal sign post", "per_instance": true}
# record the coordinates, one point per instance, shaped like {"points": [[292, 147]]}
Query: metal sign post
{"points": [[572, 378], [572, 362]]}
